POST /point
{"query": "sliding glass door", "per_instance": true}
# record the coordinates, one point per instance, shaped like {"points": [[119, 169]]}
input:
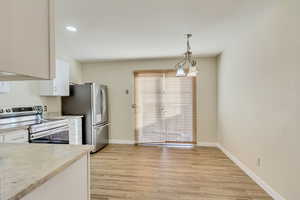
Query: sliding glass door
{"points": [[164, 107], [149, 116]]}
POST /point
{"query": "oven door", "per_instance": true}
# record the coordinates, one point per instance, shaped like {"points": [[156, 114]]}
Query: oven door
{"points": [[53, 136]]}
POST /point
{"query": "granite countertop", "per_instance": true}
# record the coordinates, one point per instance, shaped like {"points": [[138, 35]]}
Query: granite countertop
{"points": [[24, 167]]}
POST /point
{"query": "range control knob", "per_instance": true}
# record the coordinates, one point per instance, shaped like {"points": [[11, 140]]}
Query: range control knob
{"points": [[1, 111], [8, 110]]}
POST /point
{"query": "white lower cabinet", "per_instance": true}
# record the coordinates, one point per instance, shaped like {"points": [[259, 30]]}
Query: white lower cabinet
{"points": [[71, 184], [75, 130], [17, 136]]}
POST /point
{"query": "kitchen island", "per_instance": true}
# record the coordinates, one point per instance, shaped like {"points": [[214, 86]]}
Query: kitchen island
{"points": [[44, 172]]}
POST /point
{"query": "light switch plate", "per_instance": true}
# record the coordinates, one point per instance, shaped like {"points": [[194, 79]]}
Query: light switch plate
{"points": [[4, 87]]}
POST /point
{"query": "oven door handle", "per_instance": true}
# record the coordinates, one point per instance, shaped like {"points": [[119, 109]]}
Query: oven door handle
{"points": [[49, 132]]}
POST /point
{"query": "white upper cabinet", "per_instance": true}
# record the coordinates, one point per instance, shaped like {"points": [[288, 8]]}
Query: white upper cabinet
{"points": [[59, 86], [27, 39]]}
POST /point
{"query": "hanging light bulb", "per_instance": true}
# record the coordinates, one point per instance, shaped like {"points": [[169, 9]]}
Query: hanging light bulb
{"points": [[180, 71], [193, 71], [187, 64]]}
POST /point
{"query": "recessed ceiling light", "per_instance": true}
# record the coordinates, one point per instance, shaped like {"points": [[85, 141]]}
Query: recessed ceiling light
{"points": [[71, 28]]}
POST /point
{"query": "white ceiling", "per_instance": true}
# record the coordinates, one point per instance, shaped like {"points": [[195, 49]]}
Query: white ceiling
{"points": [[124, 29]]}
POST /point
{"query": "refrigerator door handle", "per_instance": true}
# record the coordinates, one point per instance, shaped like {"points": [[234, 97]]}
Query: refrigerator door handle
{"points": [[97, 107], [102, 125], [103, 103], [101, 106]]}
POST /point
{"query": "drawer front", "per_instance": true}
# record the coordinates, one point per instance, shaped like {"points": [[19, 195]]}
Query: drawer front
{"points": [[18, 137]]}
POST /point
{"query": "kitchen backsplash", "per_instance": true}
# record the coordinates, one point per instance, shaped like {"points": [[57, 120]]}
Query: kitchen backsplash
{"points": [[26, 93]]}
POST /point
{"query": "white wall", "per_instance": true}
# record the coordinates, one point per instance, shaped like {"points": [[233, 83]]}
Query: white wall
{"points": [[75, 69], [118, 75], [259, 97]]}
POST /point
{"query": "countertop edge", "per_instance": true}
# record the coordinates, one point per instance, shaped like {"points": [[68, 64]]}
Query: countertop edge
{"points": [[44, 179]]}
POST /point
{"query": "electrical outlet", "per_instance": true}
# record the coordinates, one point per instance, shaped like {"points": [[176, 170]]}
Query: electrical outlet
{"points": [[258, 162], [45, 108], [4, 87]]}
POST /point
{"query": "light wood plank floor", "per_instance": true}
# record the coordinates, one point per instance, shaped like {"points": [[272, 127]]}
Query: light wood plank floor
{"points": [[168, 173]]}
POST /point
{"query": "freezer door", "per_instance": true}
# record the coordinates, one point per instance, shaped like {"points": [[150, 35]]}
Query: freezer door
{"points": [[99, 104], [100, 137]]}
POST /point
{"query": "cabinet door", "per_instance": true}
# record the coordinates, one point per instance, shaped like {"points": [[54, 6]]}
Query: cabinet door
{"points": [[73, 183], [20, 136], [26, 37], [75, 130], [60, 85], [61, 82], [5, 21]]}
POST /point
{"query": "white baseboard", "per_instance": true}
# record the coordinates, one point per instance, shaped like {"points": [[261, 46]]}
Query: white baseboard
{"points": [[117, 141], [275, 195], [206, 144]]}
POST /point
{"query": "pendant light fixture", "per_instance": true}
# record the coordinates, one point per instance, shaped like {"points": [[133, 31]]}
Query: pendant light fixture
{"points": [[180, 71], [187, 66]]}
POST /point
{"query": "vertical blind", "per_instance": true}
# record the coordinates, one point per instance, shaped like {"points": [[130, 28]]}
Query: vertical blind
{"points": [[164, 108]]}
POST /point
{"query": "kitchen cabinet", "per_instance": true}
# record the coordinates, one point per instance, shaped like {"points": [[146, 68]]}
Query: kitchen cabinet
{"points": [[72, 183], [45, 172], [27, 40], [59, 86], [75, 129], [16, 136]]}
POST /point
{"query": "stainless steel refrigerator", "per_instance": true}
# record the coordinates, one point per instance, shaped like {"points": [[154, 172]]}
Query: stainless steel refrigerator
{"points": [[91, 101]]}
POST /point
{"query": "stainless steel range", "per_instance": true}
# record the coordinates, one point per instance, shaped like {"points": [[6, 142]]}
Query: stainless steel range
{"points": [[39, 130]]}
